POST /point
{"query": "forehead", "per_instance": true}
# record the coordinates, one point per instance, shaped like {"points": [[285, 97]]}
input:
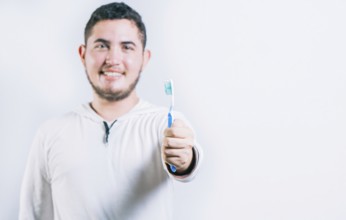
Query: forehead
{"points": [[120, 29]]}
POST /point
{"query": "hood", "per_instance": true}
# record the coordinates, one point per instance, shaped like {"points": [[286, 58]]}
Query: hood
{"points": [[142, 107]]}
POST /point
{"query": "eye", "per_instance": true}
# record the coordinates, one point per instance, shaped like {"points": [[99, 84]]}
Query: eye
{"points": [[101, 46], [128, 47]]}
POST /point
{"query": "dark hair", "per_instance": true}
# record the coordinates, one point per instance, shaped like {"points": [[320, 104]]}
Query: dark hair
{"points": [[112, 11]]}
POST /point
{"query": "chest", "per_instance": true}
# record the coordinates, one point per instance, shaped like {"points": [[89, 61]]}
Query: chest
{"points": [[80, 152]]}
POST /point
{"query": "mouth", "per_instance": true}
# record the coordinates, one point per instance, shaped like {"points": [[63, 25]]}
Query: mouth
{"points": [[112, 74]]}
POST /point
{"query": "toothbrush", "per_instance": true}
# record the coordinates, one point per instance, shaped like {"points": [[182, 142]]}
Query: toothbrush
{"points": [[170, 91]]}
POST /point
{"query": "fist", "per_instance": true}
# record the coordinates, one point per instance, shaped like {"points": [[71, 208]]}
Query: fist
{"points": [[177, 146]]}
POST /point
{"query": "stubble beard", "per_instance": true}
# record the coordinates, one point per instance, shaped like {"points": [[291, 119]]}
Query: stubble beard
{"points": [[111, 96]]}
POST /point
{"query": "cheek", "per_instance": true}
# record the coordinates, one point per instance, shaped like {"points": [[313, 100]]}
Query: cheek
{"points": [[128, 61], [94, 60], [133, 63]]}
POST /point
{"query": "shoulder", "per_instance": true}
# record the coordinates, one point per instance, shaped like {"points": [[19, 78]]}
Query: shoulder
{"points": [[155, 112], [146, 109], [58, 124]]}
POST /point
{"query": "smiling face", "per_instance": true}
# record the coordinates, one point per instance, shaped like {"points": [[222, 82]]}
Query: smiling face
{"points": [[113, 58]]}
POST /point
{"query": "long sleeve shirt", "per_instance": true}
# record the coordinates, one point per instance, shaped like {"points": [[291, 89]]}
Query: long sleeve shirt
{"points": [[79, 168]]}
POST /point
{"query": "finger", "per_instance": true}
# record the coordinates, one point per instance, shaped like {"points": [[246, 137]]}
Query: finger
{"points": [[177, 162], [178, 123], [178, 158], [177, 143], [180, 153], [179, 132]]}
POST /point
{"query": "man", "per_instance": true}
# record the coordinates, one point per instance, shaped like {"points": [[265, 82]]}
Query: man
{"points": [[109, 159]]}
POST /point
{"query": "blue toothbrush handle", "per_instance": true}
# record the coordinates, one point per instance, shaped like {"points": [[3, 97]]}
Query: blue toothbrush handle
{"points": [[170, 122], [173, 168], [170, 119]]}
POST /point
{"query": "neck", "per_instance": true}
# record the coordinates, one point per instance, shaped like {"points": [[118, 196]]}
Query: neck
{"points": [[112, 110]]}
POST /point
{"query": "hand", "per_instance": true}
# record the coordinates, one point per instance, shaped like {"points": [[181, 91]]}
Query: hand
{"points": [[177, 146]]}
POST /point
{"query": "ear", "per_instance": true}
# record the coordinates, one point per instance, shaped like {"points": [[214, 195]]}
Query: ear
{"points": [[81, 52], [146, 58]]}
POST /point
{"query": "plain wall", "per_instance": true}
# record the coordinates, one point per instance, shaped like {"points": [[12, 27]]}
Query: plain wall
{"points": [[263, 83]]}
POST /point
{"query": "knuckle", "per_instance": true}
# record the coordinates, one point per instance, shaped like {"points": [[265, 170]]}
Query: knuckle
{"points": [[173, 132], [164, 142], [168, 152], [164, 157], [170, 142]]}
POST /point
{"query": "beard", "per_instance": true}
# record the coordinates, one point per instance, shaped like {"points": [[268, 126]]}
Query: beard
{"points": [[111, 96]]}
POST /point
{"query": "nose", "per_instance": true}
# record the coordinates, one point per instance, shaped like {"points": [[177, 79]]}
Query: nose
{"points": [[114, 57]]}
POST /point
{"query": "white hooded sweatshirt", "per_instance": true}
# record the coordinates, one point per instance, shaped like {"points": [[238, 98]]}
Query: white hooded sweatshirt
{"points": [[77, 172]]}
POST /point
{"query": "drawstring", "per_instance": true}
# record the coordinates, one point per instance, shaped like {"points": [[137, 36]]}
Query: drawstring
{"points": [[107, 129]]}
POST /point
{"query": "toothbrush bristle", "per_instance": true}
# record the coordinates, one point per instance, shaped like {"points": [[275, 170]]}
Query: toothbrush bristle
{"points": [[168, 88]]}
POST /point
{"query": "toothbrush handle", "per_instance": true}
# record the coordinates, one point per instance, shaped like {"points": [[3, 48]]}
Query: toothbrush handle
{"points": [[170, 119], [170, 122], [173, 168]]}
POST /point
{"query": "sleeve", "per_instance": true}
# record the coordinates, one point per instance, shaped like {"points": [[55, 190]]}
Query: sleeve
{"points": [[198, 153], [36, 195]]}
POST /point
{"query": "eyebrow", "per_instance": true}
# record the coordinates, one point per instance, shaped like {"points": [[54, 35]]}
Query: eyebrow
{"points": [[107, 42], [101, 40], [129, 42]]}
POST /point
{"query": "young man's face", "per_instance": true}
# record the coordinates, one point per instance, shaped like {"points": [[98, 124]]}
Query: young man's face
{"points": [[113, 58]]}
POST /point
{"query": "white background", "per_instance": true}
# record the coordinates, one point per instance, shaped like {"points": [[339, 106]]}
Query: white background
{"points": [[263, 83]]}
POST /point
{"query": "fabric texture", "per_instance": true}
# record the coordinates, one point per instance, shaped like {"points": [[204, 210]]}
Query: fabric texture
{"points": [[73, 173]]}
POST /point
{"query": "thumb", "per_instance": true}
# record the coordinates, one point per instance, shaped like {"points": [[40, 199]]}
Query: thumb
{"points": [[178, 123]]}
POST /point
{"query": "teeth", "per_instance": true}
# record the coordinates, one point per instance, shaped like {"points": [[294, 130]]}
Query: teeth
{"points": [[112, 74]]}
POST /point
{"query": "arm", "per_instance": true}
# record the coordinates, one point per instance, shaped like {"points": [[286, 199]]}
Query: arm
{"points": [[36, 196]]}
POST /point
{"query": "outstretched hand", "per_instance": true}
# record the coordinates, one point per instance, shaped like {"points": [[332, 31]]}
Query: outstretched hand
{"points": [[177, 146]]}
